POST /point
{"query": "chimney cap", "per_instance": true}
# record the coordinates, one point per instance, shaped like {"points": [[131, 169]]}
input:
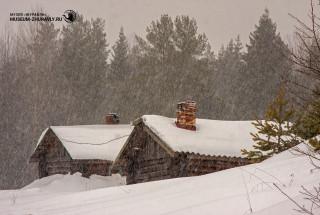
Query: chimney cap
{"points": [[112, 119]]}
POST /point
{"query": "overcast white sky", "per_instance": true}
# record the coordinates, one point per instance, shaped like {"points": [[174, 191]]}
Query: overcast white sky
{"points": [[220, 20]]}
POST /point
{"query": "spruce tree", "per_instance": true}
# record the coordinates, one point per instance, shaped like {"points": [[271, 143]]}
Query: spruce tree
{"points": [[266, 64], [229, 69], [83, 62], [275, 133], [119, 63]]}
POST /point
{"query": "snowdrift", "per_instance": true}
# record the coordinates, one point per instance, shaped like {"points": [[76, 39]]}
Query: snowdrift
{"points": [[233, 191], [75, 183]]}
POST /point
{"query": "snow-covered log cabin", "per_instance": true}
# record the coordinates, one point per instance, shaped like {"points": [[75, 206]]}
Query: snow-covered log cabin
{"points": [[159, 149], [88, 149]]}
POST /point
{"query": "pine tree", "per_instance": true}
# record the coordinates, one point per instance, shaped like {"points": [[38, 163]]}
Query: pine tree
{"points": [[173, 42], [159, 45], [189, 44], [275, 134], [119, 63]]}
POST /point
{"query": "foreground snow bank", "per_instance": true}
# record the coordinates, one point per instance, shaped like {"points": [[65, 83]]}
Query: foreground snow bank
{"points": [[233, 191], [75, 183]]}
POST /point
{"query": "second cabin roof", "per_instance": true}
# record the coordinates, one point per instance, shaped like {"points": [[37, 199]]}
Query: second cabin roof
{"points": [[91, 141], [212, 137]]}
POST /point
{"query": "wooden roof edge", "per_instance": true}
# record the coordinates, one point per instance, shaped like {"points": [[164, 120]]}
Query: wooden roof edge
{"points": [[137, 121], [151, 133], [198, 155], [33, 157], [162, 143], [61, 142], [123, 147]]}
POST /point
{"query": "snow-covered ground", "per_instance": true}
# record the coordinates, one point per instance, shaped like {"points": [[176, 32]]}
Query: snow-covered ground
{"points": [[232, 191]]}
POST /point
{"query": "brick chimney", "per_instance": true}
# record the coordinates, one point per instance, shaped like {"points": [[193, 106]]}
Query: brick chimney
{"points": [[186, 115], [112, 119]]}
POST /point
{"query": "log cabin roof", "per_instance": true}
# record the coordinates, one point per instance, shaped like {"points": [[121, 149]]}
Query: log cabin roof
{"points": [[101, 142], [212, 137]]}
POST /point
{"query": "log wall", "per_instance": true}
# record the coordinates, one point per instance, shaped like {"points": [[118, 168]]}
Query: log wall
{"points": [[152, 163], [144, 159], [54, 158], [200, 164], [90, 167]]}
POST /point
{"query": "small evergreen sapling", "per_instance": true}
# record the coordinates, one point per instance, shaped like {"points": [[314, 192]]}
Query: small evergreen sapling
{"points": [[308, 122], [275, 133], [307, 125]]}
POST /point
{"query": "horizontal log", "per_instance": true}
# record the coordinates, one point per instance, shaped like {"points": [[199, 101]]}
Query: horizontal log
{"points": [[211, 164], [59, 169], [156, 172], [152, 174], [205, 170], [218, 158], [58, 166], [153, 168], [58, 172], [60, 159], [57, 161], [214, 166], [152, 179], [102, 162], [197, 173], [152, 161]]}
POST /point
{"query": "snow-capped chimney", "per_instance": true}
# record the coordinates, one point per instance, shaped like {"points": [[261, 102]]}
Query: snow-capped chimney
{"points": [[112, 119], [186, 115]]}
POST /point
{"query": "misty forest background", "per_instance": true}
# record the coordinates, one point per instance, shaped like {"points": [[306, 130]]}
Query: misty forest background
{"points": [[53, 76]]}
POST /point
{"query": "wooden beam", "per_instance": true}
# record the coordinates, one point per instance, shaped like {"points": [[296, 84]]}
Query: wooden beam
{"points": [[137, 121], [193, 156], [35, 154], [123, 147], [159, 141]]}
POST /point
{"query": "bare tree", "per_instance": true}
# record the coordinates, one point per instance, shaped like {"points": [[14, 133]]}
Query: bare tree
{"points": [[305, 57], [304, 88]]}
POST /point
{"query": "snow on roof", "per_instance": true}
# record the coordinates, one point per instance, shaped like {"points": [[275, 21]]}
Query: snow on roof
{"points": [[102, 142], [212, 137]]}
